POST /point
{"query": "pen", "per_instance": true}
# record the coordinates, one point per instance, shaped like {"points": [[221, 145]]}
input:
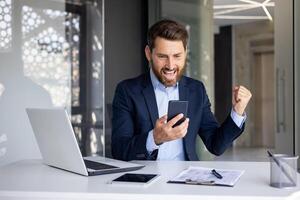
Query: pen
{"points": [[216, 174]]}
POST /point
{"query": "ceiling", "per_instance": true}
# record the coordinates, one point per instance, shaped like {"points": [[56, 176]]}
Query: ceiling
{"points": [[226, 12], [230, 12]]}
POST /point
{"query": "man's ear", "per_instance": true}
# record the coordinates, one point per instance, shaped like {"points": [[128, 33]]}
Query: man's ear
{"points": [[148, 53]]}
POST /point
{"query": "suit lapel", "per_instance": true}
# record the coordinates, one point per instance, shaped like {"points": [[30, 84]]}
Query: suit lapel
{"points": [[150, 100], [183, 90], [184, 96]]}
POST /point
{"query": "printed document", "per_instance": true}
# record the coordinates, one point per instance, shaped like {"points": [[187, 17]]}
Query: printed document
{"points": [[202, 176]]}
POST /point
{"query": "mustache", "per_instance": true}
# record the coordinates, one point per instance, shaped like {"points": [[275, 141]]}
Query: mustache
{"points": [[169, 69]]}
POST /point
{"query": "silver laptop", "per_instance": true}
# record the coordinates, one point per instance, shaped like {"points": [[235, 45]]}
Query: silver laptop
{"points": [[59, 148]]}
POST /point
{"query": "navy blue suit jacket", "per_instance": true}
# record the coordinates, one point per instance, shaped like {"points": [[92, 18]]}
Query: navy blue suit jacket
{"points": [[135, 113]]}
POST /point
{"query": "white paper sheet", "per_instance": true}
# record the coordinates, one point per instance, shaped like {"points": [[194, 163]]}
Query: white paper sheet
{"points": [[201, 175]]}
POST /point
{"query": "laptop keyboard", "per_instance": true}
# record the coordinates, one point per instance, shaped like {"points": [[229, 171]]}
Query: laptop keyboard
{"points": [[97, 165]]}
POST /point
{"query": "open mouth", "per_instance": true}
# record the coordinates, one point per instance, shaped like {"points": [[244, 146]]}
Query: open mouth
{"points": [[169, 74]]}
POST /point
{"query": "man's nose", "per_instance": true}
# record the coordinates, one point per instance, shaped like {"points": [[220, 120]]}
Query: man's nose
{"points": [[170, 63]]}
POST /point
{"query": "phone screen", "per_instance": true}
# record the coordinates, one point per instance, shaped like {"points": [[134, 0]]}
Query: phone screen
{"points": [[138, 178], [175, 108]]}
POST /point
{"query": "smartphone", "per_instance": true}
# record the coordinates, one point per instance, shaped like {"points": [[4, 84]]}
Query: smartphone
{"points": [[176, 107], [135, 179]]}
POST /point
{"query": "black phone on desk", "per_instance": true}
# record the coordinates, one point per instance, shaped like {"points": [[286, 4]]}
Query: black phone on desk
{"points": [[135, 179], [176, 107]]}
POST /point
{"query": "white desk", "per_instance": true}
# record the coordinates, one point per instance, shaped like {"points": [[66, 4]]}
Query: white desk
{"points": [[30, 179]]}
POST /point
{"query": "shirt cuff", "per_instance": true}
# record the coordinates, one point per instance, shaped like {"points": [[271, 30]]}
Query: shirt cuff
{"points": [[238, 119], [150, 144]]}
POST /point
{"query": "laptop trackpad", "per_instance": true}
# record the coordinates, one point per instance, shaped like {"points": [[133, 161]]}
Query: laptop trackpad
{"points": [[97, 165]]}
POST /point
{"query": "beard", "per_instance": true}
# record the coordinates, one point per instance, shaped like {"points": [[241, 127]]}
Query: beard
{"points": [[161, 77]]}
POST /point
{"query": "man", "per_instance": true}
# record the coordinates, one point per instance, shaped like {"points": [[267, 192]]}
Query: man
{"points": [[140, 130]]}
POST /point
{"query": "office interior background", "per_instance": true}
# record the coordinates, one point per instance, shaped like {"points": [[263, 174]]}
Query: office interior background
{"points": [[72, 53]]}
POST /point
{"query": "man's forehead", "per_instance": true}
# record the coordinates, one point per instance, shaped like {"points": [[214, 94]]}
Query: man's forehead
{"points": [[165, 46], [160, 40]]}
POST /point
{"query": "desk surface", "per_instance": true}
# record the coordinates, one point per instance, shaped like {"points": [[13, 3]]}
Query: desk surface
{"points": [[30, 179]]}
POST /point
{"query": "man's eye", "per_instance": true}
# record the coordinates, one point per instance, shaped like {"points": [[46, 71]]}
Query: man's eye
{"points": [[162, 56]]}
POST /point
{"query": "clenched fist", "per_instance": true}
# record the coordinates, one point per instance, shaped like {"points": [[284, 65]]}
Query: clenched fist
{"points": [[240, 98]]}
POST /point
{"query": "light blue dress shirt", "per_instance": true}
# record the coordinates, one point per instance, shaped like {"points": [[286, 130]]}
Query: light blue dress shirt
{"points": [[172, 150]]}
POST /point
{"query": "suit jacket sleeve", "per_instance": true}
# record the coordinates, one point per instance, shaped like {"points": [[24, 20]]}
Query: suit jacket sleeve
{"points": [[126, 144], [217, 138]]}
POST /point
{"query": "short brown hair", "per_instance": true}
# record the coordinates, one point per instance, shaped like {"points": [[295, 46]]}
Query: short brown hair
{"points": [[167, 29]]}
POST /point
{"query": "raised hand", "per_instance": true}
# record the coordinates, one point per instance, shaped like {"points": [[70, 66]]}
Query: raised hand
{"points": [[240, 98]]}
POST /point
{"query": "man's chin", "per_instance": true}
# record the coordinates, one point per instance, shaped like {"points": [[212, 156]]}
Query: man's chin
{"points": [[170, 83]]}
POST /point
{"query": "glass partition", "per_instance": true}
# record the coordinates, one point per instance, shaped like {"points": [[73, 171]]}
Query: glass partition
{"points": [[51, 55]]}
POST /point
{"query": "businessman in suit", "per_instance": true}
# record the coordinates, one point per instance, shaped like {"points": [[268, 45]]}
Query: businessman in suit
{"points": [[140, 130]]}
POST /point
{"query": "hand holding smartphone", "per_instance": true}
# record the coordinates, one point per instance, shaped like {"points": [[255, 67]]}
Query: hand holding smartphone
{"points": [[175, 108]]}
